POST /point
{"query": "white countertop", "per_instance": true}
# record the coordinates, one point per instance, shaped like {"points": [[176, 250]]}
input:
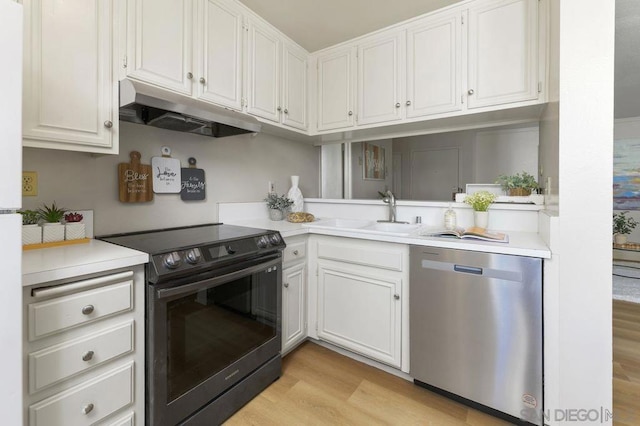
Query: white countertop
{"points": [[520, 243], [56, 263]]}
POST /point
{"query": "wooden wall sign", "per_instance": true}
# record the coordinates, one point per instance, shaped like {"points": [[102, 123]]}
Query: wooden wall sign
{"points": [[166, 173], [134, 180], [193, 184]]}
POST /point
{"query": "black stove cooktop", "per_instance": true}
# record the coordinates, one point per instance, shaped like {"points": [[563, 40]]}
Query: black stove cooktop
{"points": [[177, 252]]}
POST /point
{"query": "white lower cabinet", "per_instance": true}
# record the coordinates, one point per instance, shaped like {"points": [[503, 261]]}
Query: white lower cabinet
{"points": [[84, 350], [360, 292], [294, 294]]}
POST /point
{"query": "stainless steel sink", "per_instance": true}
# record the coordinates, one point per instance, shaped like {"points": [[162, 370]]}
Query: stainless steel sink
{"points": [[364, 226]]}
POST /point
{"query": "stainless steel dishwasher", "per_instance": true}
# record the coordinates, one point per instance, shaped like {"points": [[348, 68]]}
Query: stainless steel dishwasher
{"points": [[476, 328]]}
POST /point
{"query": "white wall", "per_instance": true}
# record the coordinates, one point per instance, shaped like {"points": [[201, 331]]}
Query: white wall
{"points": [[237, 168], [629, 128]]}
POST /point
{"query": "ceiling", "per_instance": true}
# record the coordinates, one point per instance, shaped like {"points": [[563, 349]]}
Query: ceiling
{"points": [[316, 24]]}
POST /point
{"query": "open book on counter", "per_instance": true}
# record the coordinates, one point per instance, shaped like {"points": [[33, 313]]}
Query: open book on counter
{"points": [[471, 233]]}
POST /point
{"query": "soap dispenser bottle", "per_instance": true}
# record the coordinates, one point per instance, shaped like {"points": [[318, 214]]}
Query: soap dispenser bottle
{"points": [[449, 219]]}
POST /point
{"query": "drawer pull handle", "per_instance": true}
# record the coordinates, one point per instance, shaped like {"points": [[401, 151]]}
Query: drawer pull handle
{"points": [[87, 408], [286, 285], [295, 252], [88, 356], [87, 309]]}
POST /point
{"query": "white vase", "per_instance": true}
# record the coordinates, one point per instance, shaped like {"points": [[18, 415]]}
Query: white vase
{"points": [[31, 234], [74, 231], [52, 232], [275, 214], [481, 219], [295, 195], [620, 238]]}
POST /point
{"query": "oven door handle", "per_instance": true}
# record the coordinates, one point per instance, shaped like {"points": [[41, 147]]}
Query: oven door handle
{"points": [[215, 281]]}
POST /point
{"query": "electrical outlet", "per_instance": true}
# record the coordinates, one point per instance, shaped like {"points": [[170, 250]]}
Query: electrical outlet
{"points": [[29, 184], [272, 187]]}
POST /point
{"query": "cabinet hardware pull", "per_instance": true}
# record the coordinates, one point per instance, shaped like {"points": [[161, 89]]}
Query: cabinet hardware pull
{"points": [[350, 113], [295, 252], [471, 92], [397, 104], [286, 285], [279, 109], [88, 356], [87, 309], [87, 408], [286, 111], [202, 80], [396, 296], [108, 124], [189, 75], [408, 103]]}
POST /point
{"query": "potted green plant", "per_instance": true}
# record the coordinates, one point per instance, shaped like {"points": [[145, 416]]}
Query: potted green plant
{"points": [[52, 228], [518, 184], [73, 228], [480, 202], [31, 231], [277, 205], [622, 225]]}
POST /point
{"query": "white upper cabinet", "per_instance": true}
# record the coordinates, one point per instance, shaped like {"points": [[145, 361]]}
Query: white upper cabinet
{"points": [[69, 91], [219, 53], [294, 86], [380, 79], [160, 43], [503, 52], [263, 62], [336, 88], [434, 65]]}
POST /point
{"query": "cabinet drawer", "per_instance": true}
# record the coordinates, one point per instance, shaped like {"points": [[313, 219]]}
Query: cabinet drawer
{"points": [[294, 252], [361, 254], [55, 315], [86, 404], [56, 363]]}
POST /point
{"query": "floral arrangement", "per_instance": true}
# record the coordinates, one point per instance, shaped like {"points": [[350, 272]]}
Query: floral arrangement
{"points": [[480, 200], [623, 225], [72, 217], [52, 213], [29, 217], [524, 181], [278, 202]]}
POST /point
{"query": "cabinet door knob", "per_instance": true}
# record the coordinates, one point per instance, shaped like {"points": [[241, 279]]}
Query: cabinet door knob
{"points": [[350, 113], [108, 124], [88, 356], [396, 296], [87, 409], [408, 103], [295, 252], [202, 80], [279, 109], [87, 309], [286, 285], [286, 111], [397, 104], [471, 92], [189, 75]]}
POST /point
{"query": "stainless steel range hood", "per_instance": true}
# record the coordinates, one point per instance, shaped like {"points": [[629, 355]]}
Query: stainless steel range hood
{"points": [[145, 104]]}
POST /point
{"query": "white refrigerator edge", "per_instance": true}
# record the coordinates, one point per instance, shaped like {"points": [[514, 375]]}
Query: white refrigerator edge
{"points": [[11, 24]]}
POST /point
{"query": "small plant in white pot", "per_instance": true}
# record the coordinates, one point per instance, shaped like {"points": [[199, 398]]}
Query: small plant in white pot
{"points": [[52, 228], [31, 231], [480, 202], [622, 225], [277, 205], [73, 228]]}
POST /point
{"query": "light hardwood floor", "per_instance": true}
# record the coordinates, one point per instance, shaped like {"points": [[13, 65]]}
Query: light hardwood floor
{"points": [[626, 364], [322, 387]]}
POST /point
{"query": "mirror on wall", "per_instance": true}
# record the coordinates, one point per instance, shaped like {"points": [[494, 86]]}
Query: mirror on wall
{"points": [[427, 167]]}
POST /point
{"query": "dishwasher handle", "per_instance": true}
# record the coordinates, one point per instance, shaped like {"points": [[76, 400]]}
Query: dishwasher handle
{"points": [[467, 269]]}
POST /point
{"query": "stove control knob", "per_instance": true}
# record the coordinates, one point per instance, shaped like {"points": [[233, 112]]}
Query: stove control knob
{"points": [[262, 242], [193, 256], [275, 239], [172, 260]]}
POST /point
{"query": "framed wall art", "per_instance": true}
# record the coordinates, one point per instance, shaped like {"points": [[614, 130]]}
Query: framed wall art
{"points": [[374, 162], [626, 174]]}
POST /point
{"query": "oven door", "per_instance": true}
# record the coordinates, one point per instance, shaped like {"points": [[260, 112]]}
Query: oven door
{"points": [[206, 335]]}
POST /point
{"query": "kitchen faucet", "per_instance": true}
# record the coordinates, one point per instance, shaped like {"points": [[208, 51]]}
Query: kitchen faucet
{"points": [[390, 199]]}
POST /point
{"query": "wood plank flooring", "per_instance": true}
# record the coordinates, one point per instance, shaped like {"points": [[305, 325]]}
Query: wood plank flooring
{"points": [[626, 363], [322, 387]]}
